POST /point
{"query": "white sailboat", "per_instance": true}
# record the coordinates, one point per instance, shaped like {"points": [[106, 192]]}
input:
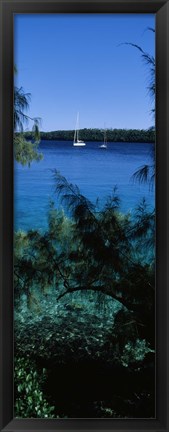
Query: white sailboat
{"points": [[104, 145], [77, 142]]}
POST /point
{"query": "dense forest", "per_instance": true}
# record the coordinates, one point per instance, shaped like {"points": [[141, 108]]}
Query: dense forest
{"points": [[113, 135]]}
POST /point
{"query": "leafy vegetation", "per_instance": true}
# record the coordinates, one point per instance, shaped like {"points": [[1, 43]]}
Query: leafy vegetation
{"points": [[25, 151], [149, 61], [146, 173], [85, 295], [30, 401]]}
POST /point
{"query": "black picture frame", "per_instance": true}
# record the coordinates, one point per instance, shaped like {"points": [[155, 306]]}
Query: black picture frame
{"points": [[7, 9]]}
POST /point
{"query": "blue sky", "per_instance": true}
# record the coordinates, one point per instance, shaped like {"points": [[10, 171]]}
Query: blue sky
{"points": [[74, 62]]}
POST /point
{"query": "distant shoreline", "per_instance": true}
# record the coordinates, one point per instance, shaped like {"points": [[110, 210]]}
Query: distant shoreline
{"points": [[113, 135]]}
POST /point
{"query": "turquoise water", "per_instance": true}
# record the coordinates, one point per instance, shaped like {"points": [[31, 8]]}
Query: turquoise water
{"points": [[96, 171]]}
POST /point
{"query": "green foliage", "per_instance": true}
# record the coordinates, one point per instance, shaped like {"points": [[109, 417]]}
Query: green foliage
{"points": [[113, 135], [29, 398], [84, 292], [94, 250], [21, 104], [149, 60], [146, 173], [25, 151], [135, 352]]}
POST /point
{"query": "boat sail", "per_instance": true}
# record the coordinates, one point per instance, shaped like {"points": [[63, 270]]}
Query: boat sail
{"points": [[77, 141], [104, 145]]}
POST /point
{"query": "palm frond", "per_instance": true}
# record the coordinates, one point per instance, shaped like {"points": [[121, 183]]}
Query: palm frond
{"points": [[146, 56], [151, 29], [149, 60], [70, 195], [144, 174], [21, 106]]}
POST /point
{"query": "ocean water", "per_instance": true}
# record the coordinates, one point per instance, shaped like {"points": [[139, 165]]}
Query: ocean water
{"points": [[95, 171]]}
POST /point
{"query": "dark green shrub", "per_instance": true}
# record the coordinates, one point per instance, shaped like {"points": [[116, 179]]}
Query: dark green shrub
{"points": [[29, 398]]}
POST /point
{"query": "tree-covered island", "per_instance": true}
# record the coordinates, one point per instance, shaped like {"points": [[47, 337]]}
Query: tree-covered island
{"points": [[113, 135]]}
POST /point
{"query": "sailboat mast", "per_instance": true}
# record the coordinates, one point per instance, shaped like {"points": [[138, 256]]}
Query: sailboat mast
{"points": [[76, 130], [76, 141], [105, 136], [77, 126]]}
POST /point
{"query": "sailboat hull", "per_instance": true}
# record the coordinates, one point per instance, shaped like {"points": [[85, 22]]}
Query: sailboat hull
{"points": [[79, 144], [104, 146]]}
